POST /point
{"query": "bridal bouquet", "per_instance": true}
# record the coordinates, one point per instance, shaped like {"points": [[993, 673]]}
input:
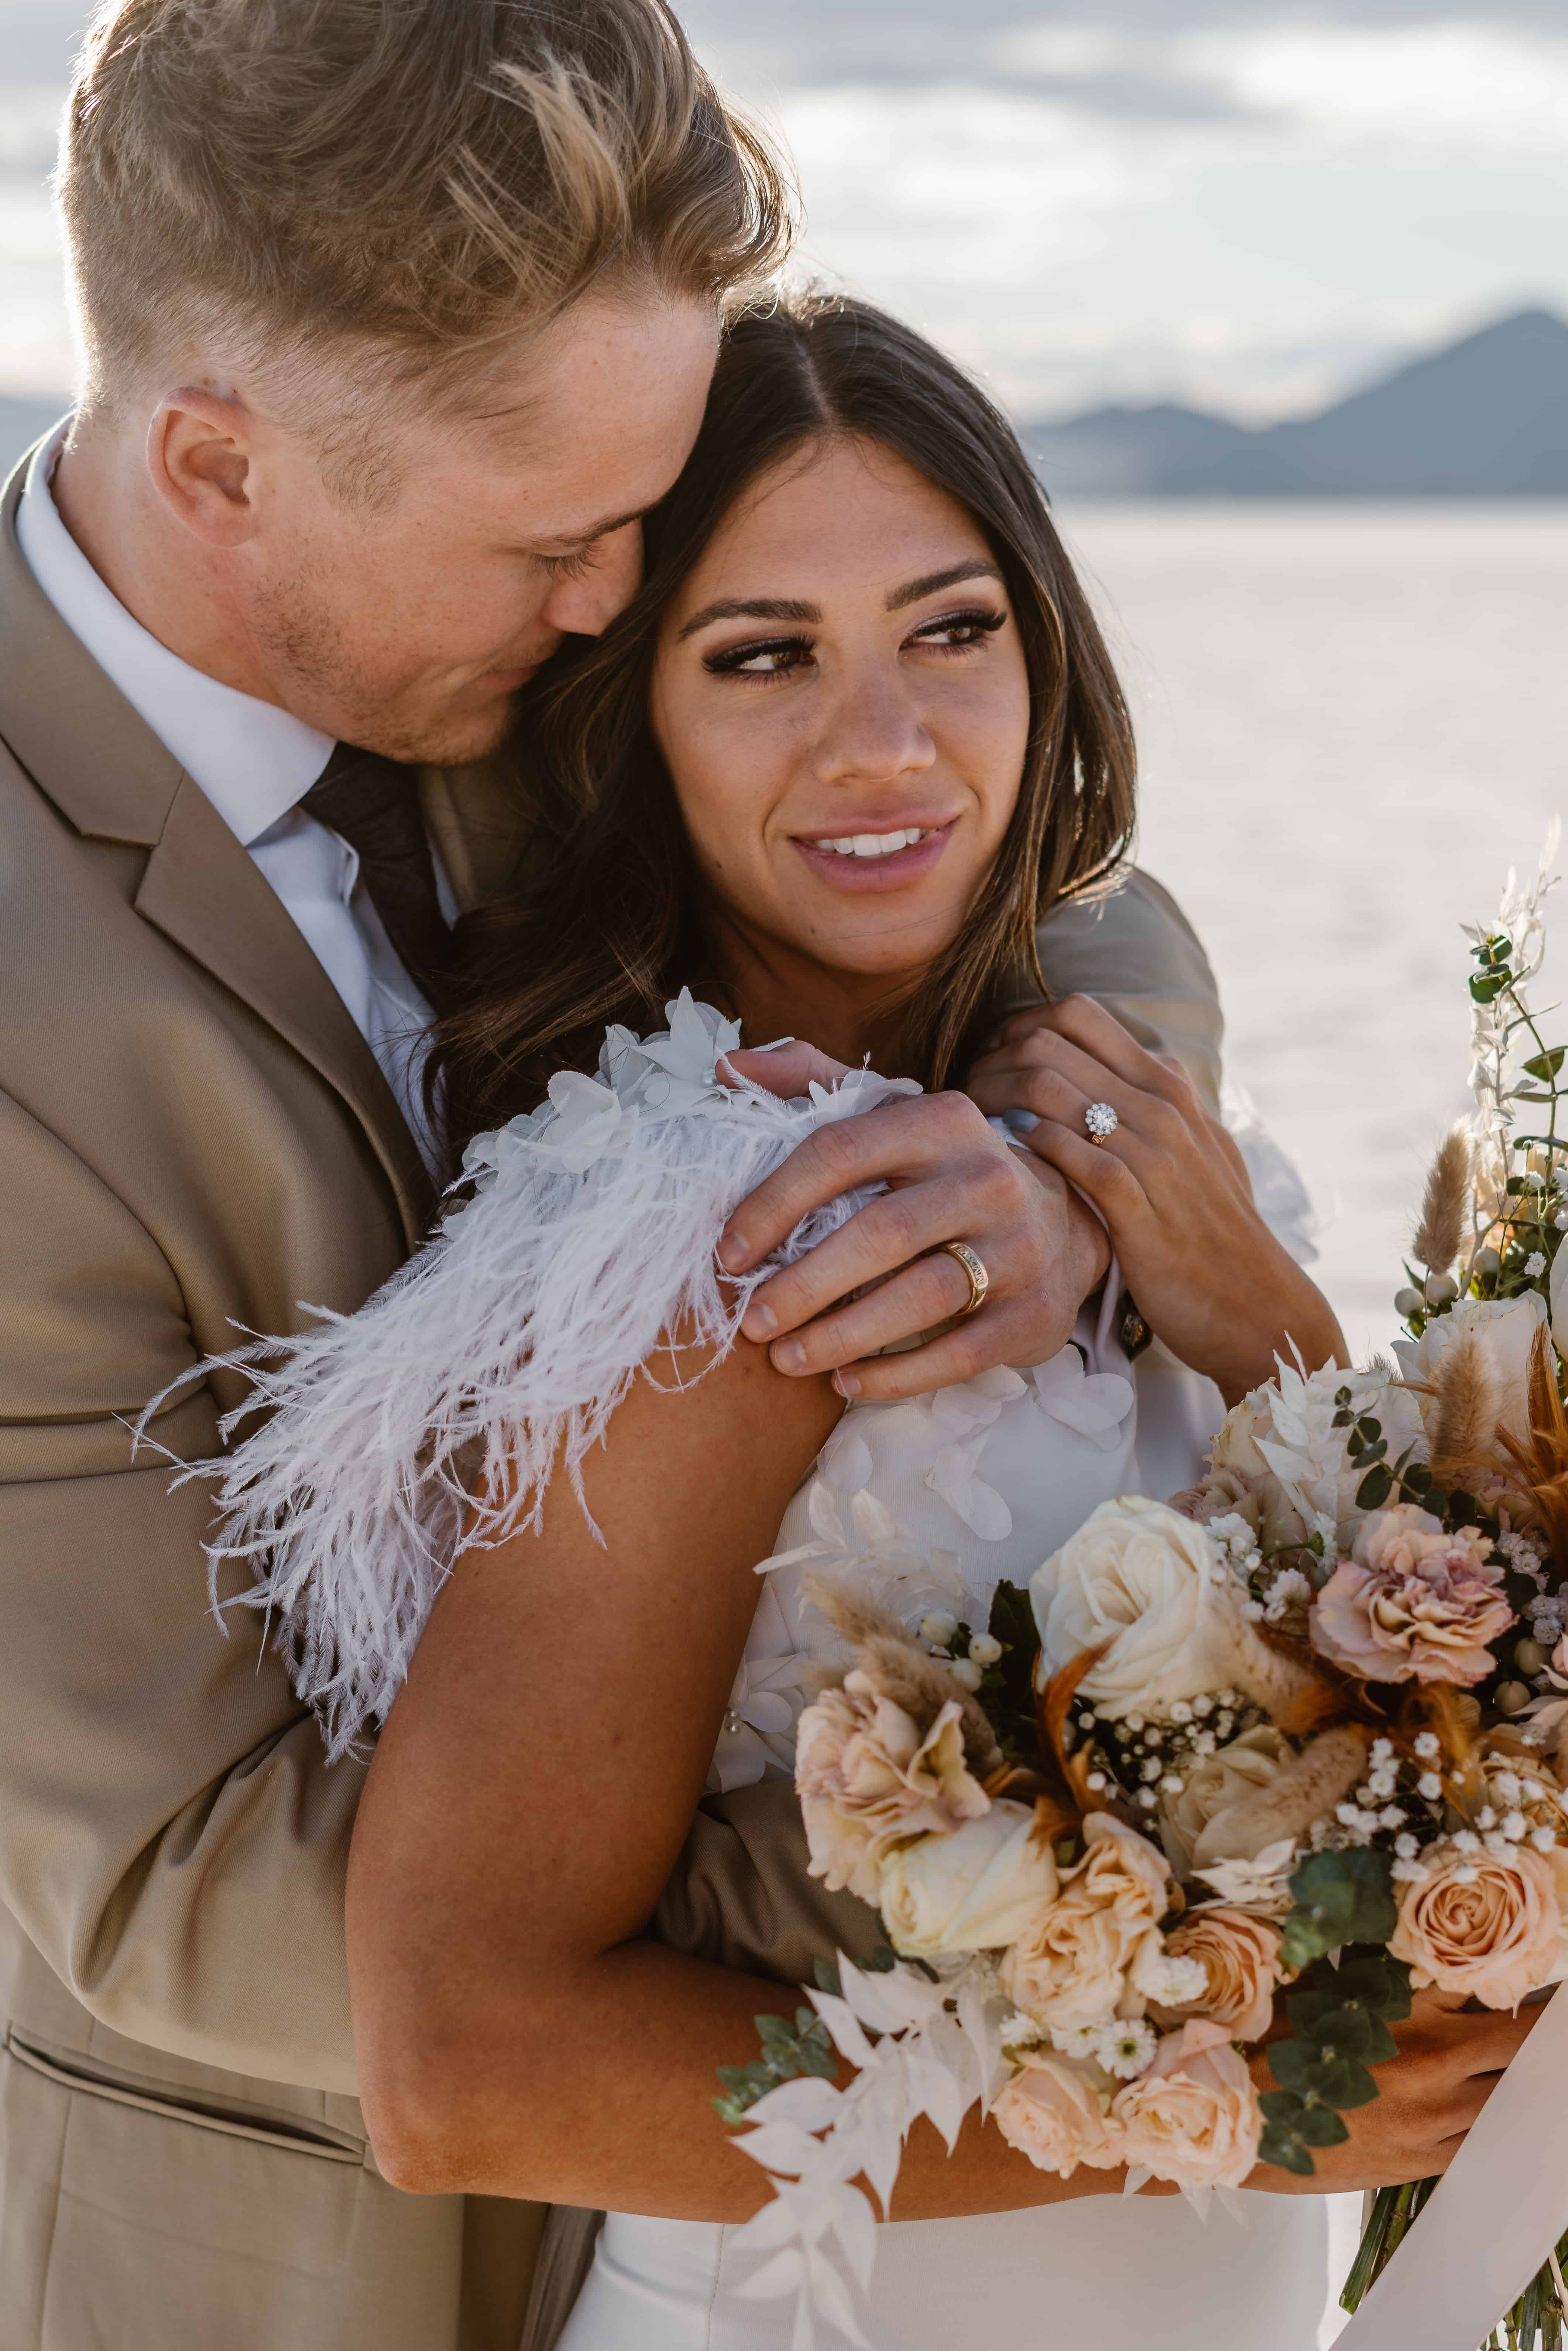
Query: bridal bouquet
{"points": [[1241, 1769]]}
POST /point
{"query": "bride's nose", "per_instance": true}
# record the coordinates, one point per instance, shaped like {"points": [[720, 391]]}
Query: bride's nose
{"points": [[875, 733]]}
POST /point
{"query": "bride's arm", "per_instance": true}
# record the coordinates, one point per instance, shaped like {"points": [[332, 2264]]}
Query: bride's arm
{"points": [[533, 1786], [515, 2035]]}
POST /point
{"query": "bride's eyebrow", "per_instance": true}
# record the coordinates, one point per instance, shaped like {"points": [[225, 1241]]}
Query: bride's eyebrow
{"points": [[750, 608], [780, 608], [912, 594]]}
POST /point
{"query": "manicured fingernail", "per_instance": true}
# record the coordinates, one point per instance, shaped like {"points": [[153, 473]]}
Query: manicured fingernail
{"points": [[848, 1386], [732, 1252], [760, 1321], [790, 1355]]}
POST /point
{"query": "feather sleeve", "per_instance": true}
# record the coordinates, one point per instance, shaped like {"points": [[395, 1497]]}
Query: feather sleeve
{"points": [[379, 1443]]}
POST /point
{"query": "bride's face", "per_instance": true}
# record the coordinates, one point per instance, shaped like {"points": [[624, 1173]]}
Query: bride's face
{"points": [[840, 697]]}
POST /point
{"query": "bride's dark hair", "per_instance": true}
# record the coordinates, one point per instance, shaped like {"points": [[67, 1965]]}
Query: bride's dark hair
{"points": [[606, 922]]}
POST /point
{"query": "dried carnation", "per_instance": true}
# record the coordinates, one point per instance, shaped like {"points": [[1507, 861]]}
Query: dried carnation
{"points": [[1413, 1602]]}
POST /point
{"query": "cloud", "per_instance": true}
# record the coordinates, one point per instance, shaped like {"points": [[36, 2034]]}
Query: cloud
{"points": [[1240, 202]]}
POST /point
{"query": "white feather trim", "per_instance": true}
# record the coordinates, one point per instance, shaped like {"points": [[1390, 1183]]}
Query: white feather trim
{"points": [[507, 1340]]}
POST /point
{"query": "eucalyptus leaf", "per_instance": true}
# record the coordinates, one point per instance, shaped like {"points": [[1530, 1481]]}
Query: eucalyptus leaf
{"points": [[1375, 1487]]}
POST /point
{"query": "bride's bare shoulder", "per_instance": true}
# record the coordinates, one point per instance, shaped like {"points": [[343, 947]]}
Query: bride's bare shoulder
{"points": [[698, 1449]]}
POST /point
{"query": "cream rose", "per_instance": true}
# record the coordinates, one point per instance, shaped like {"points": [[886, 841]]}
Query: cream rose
{"points": [[1070, 1966], [980, 1886], [1412, 1603], [1212, 1783], [1235, 1447], [1483, 1923], [1506, 1328], [1148, 1584], [1240, 1958], [1052, 2111], [866, 1776], [1194, 2116]]}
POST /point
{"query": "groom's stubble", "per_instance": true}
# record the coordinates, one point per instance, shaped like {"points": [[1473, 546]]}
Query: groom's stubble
{"points": [[409, 625]]}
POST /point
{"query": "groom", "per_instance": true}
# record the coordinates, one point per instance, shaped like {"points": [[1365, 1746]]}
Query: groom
{"points": [[397, 314]]}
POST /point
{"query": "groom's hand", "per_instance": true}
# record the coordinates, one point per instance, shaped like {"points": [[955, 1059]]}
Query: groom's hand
{"points": [[950, 1177], [1450, 2060]]}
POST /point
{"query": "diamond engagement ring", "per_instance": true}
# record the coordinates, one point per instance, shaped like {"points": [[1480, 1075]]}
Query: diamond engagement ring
{"points": [[973, 1265], [1100, 1120]]}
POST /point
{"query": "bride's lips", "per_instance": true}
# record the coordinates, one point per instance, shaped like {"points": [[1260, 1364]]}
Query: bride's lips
{"points": [[894, 870]]}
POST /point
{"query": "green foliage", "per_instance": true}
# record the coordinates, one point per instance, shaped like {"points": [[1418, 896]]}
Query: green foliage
{"points": [[1007, 1691], [788, 2050], [1338, 1898], [1340, 2018]]}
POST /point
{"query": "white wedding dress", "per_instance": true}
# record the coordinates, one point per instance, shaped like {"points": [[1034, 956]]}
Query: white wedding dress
{"points": [[615, 1192]]}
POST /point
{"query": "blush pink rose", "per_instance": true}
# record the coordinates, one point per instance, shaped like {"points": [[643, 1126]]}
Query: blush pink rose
{"points": [[1412, 1603], [1240, 1957], [1051, 2111], [1193, 2118], [1483, 1923], [866, 1775]]}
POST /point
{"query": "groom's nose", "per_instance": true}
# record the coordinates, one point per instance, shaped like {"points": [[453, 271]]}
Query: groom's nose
{"points": [[585, 605]]}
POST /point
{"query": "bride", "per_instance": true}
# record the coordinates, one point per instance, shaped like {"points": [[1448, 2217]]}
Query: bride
{"points": [[857, 733]]}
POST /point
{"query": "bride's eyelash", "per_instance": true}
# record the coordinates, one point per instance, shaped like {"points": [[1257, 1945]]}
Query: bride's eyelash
{"points": [[731, 661], [982, 618]]}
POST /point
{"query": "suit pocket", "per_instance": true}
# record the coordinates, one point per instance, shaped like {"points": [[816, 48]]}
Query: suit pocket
{"points": [[293, 2138], [146, 2181]]}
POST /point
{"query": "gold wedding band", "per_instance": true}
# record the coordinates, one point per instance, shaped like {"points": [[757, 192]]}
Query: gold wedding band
{"points": [[973, 1265]]}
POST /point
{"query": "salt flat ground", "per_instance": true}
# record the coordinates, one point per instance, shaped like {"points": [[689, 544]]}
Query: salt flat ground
{"points": [[1352, 719]]}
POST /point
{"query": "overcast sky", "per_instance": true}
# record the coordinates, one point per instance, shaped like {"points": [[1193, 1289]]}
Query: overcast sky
{"points": [[1240, 203]]}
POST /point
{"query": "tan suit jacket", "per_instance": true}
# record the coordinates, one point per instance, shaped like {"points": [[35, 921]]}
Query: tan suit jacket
{"points": [[194, 1137]]}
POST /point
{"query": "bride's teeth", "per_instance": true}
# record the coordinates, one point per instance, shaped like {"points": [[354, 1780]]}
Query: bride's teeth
{"points": [[873, 844]]}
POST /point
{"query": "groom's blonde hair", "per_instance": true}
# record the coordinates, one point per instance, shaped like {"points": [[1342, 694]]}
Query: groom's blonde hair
{"points": [[374, 197]]}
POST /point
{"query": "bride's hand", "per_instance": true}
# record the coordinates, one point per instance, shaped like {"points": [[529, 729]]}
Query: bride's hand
{"points": [[949, 1177], [1208, 1276]]}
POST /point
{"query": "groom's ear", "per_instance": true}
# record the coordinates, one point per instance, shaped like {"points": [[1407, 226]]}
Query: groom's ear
{"points": [[201, 448]]}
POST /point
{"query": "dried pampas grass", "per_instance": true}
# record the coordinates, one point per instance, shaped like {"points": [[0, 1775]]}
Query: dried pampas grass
{"points": [[1541, 1466], [899, 1668], [1464, 1424], [1446, 1205], [1322, 1776]]}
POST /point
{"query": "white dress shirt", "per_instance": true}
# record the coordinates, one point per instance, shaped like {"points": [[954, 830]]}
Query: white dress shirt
{"points": [[253, 762]]}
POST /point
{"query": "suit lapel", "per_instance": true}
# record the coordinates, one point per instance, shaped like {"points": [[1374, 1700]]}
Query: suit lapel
{"points": [[106, 771], [202, 891]]}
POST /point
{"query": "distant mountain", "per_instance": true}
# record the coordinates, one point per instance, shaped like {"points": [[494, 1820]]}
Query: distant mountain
{"points": [[1485, 417], [23, 421]]}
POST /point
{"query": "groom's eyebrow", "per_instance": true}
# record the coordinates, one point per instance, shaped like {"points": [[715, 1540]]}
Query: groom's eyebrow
{"points": [[750, 608], [934, 581]]}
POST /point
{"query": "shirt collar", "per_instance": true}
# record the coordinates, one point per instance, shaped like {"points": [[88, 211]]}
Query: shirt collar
{"points": [[253, 760]]}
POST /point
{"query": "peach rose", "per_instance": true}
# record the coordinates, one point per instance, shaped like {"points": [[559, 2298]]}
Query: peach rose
{"points": [[866, 1776], [1240, 1958], [1194, 2116], [1483, 1923], [1070, 1966], [1412, 1603], [1053, 2112]]}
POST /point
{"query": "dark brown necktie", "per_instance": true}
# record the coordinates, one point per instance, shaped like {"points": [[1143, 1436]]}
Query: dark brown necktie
{"points": [[373, 802]]}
